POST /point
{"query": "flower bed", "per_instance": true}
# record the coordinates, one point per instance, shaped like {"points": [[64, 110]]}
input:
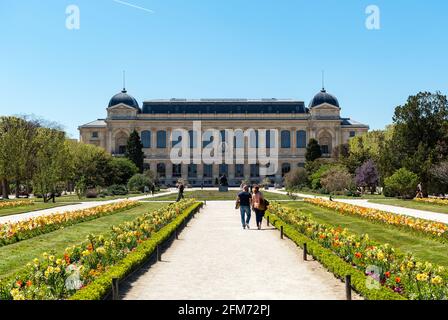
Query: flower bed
{"points": [[59, 277], [437, 201], [26, 229], [401, 273], [436, 230], [15, 204]]}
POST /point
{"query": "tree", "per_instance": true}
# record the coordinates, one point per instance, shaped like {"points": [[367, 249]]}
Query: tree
{"points": [[440, 174], [336, 179], [402, 183], [120, 171], [367, 176], [421, 133], [138, 183], [313, 150], [296, 179], [134, 150], [50, 160]]}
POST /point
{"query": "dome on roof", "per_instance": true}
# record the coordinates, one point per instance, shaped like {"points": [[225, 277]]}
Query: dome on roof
{"points": [[324, 97], [125, 98]]}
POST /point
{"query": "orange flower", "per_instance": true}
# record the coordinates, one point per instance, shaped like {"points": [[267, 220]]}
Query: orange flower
{"points": [[397, 279], [67, 258], [90, 247], [29, 283], [387, 274], [358, 255], [19, 283]]}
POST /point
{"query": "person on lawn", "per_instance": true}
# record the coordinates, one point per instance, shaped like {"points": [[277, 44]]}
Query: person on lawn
{"points": [[243, 201], [258, 205]]}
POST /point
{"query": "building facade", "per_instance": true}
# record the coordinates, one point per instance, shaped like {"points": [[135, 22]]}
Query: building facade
{"points": [[158, 122]]}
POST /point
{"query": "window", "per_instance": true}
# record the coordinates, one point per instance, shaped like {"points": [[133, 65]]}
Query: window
{"points": [[95, 134], [161, 170], [286, 168], [301, 139], [177, 170], [239, 171], [223, 169], [286, 139], [352, 134], [238, 139], [270, 144], [254, 170], [192, 136], [208, 171], [146, 139], [161, 139], [324, 148], [192, 171], [253, 138]]}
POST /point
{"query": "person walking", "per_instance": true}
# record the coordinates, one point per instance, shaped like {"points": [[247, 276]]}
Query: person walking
{"points": [[258, 205], [180, 194], [243, 201]]}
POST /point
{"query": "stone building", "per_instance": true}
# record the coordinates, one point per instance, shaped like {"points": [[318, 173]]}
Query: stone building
{"points": [[157, 120]]}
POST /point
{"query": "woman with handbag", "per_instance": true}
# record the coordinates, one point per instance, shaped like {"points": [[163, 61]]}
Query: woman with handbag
{"points": [[258, 205]]}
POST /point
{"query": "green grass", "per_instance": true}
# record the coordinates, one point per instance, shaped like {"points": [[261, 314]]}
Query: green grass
{"points": [[35, 207], [423, 248], [74, 198], [201, 195], [13, 257], [413, 205]]}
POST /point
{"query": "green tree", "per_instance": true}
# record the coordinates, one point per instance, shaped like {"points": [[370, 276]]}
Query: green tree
{"points": [[420, 136], [134, 150], [50, 160], [313, 150], [120, 171], [402, 183]]}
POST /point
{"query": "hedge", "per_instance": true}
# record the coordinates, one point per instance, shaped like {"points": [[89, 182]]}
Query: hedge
{"points": [[334, 264], [100, 287]]}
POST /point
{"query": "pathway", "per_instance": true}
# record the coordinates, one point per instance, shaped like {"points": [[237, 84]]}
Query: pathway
{"points": [[72, 207], [216, 259], [428, 215]]}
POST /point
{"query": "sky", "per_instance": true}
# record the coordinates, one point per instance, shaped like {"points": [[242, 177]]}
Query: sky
{"points": [[218, 49]]}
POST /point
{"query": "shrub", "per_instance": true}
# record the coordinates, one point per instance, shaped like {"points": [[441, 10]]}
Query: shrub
{"points": [[403, 183], [138, 182], [336, 179], [367, 176], [117, 190], [296, 179], [91, 194]]}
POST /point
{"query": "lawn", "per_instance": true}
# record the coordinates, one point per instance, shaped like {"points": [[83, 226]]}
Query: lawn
{"points": [[13, 257], [74, 198], [423, 248], [412, 205], [364, 196], [35, 207], [216, 195]]}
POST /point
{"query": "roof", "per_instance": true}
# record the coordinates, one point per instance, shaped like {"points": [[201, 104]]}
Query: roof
{"points": [[254, 106], [125, 98], [323, 97], [100, 123], [350, 122]]}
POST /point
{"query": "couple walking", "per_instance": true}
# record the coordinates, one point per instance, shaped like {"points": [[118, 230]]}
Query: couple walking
{"points": [[255, 201]]}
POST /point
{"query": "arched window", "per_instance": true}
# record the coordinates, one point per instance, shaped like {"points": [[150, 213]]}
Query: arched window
{"points": [[146, 139], [177, 170], [325, 142], [286, 168], [301, 139], [161, 170], [286, 139], [161, 139], [121, 141]]}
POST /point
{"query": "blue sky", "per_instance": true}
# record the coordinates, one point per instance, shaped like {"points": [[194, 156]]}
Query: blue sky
{"points": [[218, 49]]}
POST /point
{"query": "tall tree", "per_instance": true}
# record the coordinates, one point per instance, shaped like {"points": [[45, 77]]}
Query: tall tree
{"points": [[134, 150], [313, 150], [420, 134], [50, 161]]}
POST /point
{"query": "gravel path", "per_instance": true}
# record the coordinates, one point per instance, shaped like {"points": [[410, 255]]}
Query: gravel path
{"points": [[216, 259], [428, 215], [67, 208]]}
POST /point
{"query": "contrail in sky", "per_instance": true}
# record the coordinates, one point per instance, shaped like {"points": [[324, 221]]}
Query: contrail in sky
{"points": [[133, 6]]}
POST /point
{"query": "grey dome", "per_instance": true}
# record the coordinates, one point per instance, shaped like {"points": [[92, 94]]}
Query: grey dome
{"points": [[124, 98], [324, 97]]}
